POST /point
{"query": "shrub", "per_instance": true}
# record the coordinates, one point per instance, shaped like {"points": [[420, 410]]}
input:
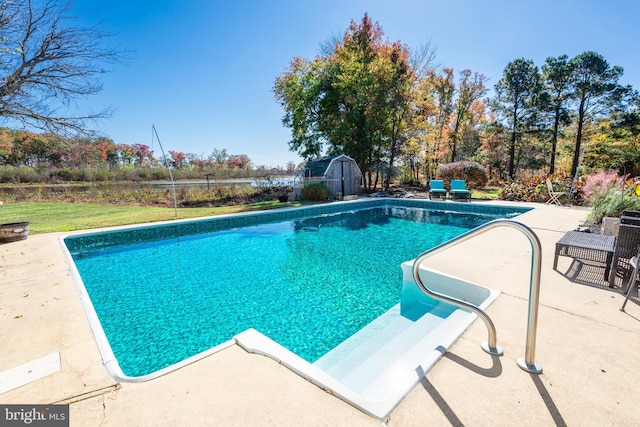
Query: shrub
{"points": [[21, 174], [314, 192], [534, 189], [531, 190], [473, 173], [102, 175], [65, 174], [609, 195], [159, 174], [600, 182], [411, 181]]}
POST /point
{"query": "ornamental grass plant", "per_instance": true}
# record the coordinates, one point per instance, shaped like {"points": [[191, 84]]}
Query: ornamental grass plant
{"points": [[609, 194]]}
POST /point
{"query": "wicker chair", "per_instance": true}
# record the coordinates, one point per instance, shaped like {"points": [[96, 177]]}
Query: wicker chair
{"points": [[630, 217], [634, 214], [630, 220], [626, 248], [634, 278]]}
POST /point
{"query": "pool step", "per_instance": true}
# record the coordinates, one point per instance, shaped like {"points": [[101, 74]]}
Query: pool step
{"points": [[349, 354], [371, 360]]}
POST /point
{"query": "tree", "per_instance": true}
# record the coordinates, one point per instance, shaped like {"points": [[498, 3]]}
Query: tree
{"points": [[395, 100], [491, 153], [127, 153], [618, 143], [354, 100], [108, 151], [298, 91], [291, 167], [469, 141], [6, 145], [350, 99], [35, 148], [596, 91], [516, 95], [143, 154], [219, 156], [177, 158], [418, 150], [238, 161], [470, 89], [444, 89], [46, 63], [557, 79]]}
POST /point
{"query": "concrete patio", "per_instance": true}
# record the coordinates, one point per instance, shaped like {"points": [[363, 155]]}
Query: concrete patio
{"points": [[586, 346]]}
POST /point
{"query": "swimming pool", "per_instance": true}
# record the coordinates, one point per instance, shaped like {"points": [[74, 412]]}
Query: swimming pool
{"points": [[309, 279]]}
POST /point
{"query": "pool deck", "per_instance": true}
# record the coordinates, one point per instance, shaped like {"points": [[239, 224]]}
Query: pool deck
{"points": [[587, 347]]}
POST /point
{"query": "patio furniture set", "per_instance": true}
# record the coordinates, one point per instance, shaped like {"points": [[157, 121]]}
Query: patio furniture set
{"points": [[617, 254], [457, 189]]}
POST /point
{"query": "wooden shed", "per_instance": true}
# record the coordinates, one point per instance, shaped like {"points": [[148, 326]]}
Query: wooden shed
{"points": [[340, 173]]}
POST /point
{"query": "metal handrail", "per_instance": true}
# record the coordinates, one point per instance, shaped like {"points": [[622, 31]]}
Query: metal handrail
{"points": [[527, 363]]}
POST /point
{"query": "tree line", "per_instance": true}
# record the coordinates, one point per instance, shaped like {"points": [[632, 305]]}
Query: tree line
{"points": [[52, 151], [394, 112]]}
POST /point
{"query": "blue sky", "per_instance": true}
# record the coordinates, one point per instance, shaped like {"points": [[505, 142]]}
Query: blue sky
{"points": [[202, 71]]}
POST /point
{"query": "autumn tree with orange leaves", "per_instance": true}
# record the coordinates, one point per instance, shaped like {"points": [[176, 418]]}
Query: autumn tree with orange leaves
{"points": [[379, 103], [355, 101]]}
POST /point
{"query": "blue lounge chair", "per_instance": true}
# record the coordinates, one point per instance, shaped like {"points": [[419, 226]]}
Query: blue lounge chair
{"points": [[436, 189], [459, 189]]}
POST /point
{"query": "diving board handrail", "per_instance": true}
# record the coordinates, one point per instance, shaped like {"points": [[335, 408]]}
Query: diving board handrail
{"points": [[527, 363]]}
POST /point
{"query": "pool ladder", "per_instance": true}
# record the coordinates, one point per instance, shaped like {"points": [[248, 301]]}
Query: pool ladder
{"points": [[527, 363]]}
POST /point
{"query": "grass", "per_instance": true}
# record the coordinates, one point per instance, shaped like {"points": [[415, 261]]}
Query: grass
{"points": [[487, 193], [62, 217]]}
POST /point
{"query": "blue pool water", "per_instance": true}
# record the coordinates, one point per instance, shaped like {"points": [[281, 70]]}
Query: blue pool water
{"points": [[309, 284]]}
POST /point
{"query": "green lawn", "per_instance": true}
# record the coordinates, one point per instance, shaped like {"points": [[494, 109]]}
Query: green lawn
{"points": [[52, 217], [488, 193]]}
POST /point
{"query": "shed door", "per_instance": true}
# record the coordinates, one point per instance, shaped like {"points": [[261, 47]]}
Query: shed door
{"points": [[346, 178]]}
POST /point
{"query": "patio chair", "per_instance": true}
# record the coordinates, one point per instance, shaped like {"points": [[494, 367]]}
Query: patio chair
{"points": [[626, 248], [631, 220], [459, 190], [632, 214], [554, 196], [634, 277], [436, 189]]}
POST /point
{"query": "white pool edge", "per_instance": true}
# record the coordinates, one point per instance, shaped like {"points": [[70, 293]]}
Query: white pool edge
{"points": [[106, 353]]}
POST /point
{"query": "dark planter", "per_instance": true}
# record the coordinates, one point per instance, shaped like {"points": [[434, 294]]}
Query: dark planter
{"points": [[13, 232], [283, 198]]}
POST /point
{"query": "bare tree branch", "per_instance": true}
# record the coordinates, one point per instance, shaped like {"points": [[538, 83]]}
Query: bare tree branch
{"points": [[47, 63]]}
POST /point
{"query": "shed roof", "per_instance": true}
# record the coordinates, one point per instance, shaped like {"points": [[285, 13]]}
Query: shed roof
{"points": [[319, 166]]}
